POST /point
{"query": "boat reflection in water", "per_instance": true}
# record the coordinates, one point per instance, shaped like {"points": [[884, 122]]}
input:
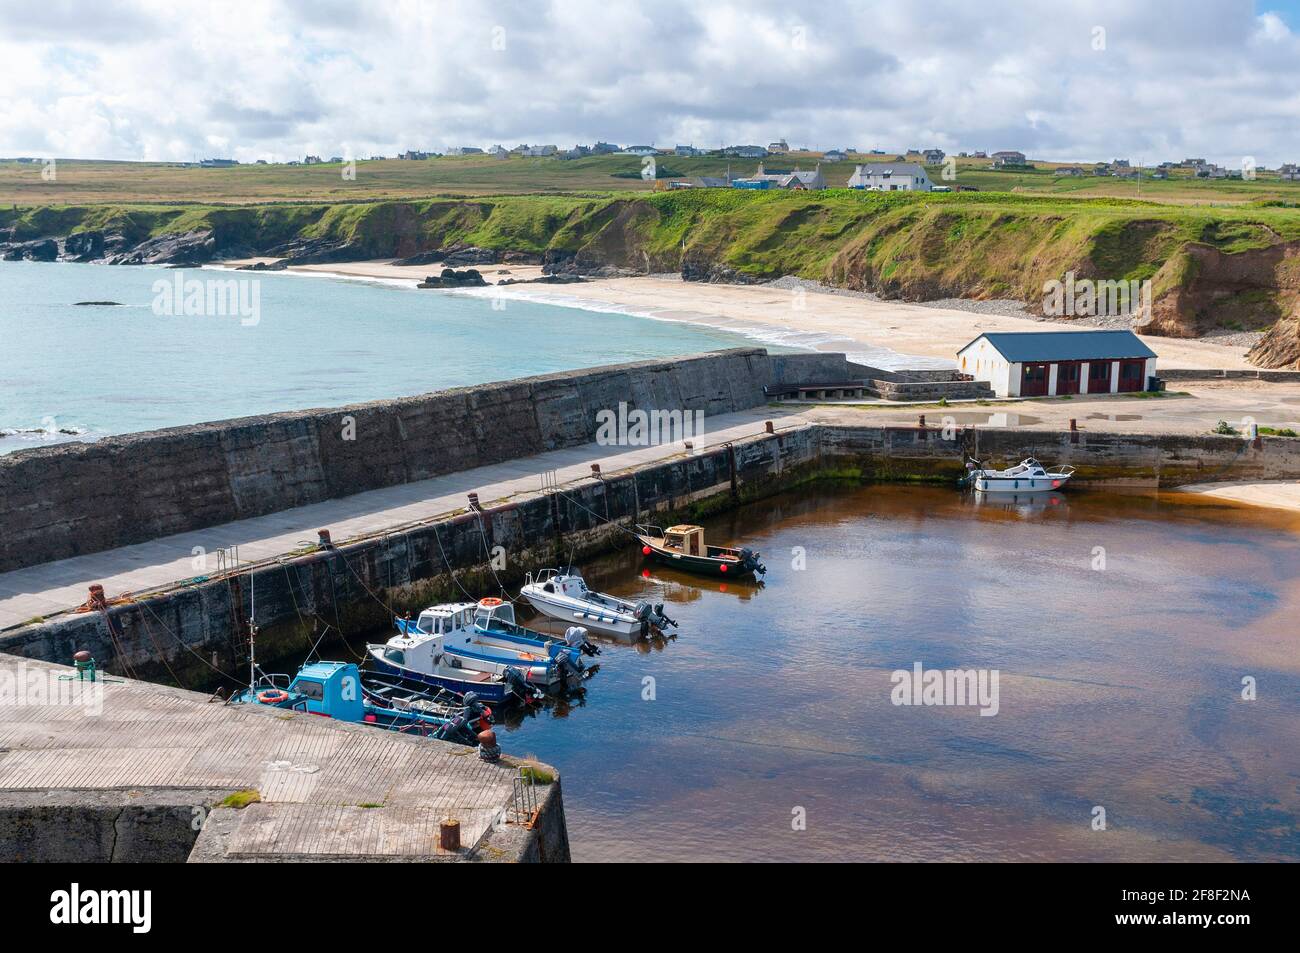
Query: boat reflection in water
{"points": [[680, 586], [1023, 503]]}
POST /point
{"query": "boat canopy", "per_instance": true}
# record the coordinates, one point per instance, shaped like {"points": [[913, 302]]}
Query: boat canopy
{"points": [[689, 539], [442, 619], [330, 688], [494, 610]]}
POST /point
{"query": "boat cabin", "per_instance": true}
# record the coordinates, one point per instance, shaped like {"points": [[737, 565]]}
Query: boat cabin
{"points": [[332, 689], [492, 612], [686, 538], [444, 619], [568, 583]]}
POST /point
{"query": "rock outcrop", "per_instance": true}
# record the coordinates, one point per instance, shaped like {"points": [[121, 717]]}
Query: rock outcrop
{"points": [[186, 248], [450, 278]]}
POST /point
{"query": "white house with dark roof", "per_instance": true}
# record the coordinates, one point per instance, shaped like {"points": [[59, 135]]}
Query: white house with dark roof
{"points": [[1048, 363], [890, 177]]}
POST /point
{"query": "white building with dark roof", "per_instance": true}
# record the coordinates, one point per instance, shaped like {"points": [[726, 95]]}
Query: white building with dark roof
{"points": [[1047, 363], [890, 177]]}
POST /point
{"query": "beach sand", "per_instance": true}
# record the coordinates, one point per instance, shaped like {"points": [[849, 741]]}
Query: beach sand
{"points": [[887, 334]]}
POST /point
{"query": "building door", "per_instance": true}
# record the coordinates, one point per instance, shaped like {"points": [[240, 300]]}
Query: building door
{"points": [[1067, 377], [1099, 377], [1130, 375], [1033, 380]]}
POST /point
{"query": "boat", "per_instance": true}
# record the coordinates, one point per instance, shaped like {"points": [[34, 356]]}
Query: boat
{"points": [[1028, 476], [683, 547], [562, 594], [484, 635], [342, 691], [419, 660]]}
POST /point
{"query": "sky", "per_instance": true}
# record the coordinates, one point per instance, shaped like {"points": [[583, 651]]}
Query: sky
{"points": [[1064, 80]]}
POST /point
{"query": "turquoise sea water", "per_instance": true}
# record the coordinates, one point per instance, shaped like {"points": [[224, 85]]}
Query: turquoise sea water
{"points": [[317, 341]]}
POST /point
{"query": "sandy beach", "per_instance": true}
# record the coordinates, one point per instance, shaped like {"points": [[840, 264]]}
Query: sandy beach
{"points": [[886, 334]]}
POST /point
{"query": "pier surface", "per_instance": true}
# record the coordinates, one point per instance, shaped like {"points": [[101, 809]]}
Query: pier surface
{"points": [[127, 770]]}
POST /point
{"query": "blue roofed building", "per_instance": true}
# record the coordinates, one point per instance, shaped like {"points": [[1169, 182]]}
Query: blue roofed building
{"points": [[1048, 363]]}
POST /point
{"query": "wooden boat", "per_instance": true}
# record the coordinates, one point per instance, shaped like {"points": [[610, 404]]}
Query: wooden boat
{"points": [[1028, 476], [340, 690], [683, 547], [563, 594]]}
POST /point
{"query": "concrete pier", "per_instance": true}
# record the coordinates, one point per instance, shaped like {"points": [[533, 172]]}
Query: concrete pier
{"points": [[129, 771]]}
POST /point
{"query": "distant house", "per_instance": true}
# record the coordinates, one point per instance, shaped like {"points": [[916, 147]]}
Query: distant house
{"points": [[745, 152], [311, 160], [499, 150], [979, 155], [1008, 157], [1101, 168], [702, 182], [642, 151], [1069, 170], [890, 177], [465, 151], [835, 155], [685, 151], [1120, 163], [413, 155], [796, 180], [1289, 171], [603, 149], [219, 163], [1047, 363], [540, 152], [933, 156], [779, 146]]}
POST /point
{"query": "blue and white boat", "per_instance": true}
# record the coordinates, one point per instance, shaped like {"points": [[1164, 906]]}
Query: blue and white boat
{"points": [[340, 690], [484, 636]]}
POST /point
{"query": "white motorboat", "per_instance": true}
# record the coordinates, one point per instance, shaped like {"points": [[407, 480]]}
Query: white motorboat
{"points": [[563, 595], [1028, 476]]}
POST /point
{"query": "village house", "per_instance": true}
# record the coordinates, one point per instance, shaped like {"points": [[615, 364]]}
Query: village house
{"points": [[642, 151], [835, 155], [1048, 363], [1289, 171], [890, 177], [464, 151], [933, 156], [1008, 157], [745, 152], [796, 180], [1070, 170], [779, 146]]}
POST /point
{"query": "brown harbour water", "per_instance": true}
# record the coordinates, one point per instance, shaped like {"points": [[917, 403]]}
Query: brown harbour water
{"points": [[1119, 687]]}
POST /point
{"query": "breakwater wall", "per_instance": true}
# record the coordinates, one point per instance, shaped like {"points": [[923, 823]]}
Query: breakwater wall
{"points": [[79, 498], [355, 587]]}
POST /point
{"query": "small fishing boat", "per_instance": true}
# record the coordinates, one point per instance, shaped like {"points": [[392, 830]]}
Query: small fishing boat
{"points": [[1028, 476], [683, 548], [340, 690], [563, 594], [484, 635]]}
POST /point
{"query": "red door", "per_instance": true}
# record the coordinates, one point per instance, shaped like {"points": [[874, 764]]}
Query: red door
{"points": [[1099, 377], [1130, 375], [1033, 380], [1067, 377]]}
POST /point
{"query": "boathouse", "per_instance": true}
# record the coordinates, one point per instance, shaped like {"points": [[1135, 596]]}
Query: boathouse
{"points": [[1047, 363]]}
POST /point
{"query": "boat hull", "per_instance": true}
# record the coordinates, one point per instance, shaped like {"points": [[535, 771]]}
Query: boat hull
{"points": [[590, 618], [703, 565], [490, 691], [1037, 484]]}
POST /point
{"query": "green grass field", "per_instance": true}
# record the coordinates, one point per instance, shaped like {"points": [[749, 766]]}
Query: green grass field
{"points": [[79, 182]]}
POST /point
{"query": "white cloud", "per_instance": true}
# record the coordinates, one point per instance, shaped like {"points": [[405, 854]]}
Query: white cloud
{"points": [[160, 79]]}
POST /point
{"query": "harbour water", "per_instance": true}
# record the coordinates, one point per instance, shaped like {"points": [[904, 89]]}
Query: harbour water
{"points": [[1121, 629], [70, 371]]}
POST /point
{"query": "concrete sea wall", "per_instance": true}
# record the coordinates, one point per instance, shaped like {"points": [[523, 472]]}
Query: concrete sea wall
{"points": [[82, 498]]}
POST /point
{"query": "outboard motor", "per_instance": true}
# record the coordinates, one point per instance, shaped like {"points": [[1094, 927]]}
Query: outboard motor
{"points": [[575, 637], [464, 727], [520, 686], [750, 558], [662, 620]]}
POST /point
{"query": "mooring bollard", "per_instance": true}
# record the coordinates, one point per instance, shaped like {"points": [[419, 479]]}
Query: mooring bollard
{"points": [[768, 426], [487, 746], [449, 834], [595, 470], [922, 421], [473, 502], [97, 600], [323, 539], [1074, 430]]}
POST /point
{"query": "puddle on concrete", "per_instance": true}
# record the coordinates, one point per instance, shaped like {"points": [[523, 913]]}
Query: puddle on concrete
{"points": [[1113, 417], [994, 420]]}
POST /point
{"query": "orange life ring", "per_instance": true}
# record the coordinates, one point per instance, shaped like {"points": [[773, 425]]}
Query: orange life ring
{"points": [[490, 602], [273, 696]]}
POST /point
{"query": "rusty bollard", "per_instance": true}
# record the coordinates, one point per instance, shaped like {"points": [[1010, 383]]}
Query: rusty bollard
{"points": [[473, 502], [323, 539], [595, 470], [768, 426], [449, 834], [1074, 430]]}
